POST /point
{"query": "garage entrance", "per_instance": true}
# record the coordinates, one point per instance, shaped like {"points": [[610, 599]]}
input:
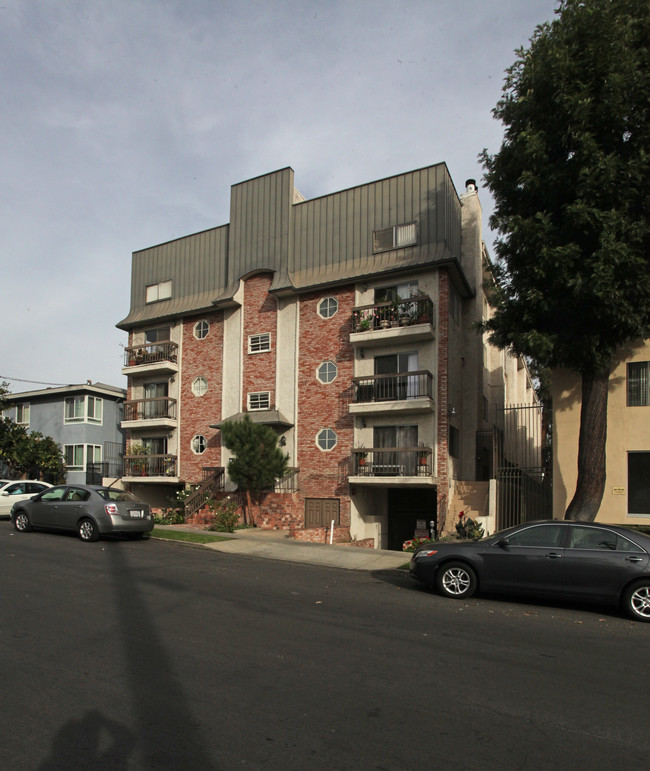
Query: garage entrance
{"points": [[406, 507]]}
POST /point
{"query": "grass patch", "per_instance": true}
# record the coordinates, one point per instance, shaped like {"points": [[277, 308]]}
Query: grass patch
{"points": [[182, 535]]}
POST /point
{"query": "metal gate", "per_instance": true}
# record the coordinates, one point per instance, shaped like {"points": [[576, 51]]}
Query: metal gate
{"points": [[521, 463]]}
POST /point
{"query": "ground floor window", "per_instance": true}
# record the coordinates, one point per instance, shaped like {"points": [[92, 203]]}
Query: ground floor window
{"points": [[638, 483], [77, 455], [319, 512]]}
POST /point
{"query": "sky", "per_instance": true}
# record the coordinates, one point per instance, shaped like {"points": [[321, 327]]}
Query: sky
{"points": [[124, 123]]}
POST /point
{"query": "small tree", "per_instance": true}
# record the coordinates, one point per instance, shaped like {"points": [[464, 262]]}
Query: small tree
{"points": [[258, 461]]}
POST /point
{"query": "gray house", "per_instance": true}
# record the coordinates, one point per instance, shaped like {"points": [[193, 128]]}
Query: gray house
{"points": [[83, 419]]}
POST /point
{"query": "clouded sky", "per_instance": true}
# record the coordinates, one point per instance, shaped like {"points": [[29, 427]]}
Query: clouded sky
{"points": [[123, 124]]}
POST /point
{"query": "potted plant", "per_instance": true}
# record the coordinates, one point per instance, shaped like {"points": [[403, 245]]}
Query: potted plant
{"points": [[139, 462]]}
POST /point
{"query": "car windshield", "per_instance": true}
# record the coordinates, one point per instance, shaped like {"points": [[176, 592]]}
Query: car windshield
{"points": [[116, 495]]}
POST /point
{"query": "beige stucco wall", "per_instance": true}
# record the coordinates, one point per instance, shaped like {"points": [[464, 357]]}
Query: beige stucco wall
{"points": [[628, 430]]}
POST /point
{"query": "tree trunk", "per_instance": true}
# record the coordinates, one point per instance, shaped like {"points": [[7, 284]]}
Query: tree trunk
{"points": [[591, 449]]}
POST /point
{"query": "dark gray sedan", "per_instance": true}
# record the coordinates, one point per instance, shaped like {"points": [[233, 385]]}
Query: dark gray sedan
{"points": [[556, 559], [89, 510]]}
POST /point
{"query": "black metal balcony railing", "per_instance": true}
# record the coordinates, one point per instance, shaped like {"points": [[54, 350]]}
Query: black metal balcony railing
{"points": [[150, 353], [415, 310], [150, 465], [150, 409], [391, 462], [383, 388]]}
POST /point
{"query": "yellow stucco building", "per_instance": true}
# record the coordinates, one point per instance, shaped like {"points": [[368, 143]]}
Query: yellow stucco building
{"points": [[627, 488]]}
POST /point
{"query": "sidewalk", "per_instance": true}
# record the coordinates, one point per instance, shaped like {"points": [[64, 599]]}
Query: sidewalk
{"points": [[276, 545]]}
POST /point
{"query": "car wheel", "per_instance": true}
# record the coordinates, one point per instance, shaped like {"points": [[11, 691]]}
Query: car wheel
{"points": [[636, 600], [21, 522], [456, 580], [88, 531]]}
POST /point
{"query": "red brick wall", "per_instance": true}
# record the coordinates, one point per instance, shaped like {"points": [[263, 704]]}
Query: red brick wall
{"points": [[260, 316], [200, 358], [324, 474]]}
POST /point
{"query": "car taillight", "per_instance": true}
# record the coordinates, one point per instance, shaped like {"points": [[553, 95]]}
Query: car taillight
{"points": [[111, 508]]}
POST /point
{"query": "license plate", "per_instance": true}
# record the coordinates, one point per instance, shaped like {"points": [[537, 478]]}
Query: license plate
{"points": [[135, 514]]}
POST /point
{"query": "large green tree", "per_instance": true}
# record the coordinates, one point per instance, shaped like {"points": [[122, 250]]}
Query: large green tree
{"points": [[571, 209], [257, 460]]}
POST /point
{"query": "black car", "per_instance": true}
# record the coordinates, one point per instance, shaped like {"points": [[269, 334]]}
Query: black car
{"points": [[556, 559], [89, 510]]}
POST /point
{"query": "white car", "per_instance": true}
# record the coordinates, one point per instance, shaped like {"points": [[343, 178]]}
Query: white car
{"points": [[12, 490]]}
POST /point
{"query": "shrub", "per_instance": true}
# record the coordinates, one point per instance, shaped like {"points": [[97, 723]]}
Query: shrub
{"points": [[226, 515], [468, 528]]}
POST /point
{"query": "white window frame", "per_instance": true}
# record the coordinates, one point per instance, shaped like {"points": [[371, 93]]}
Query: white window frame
{"points": [[82, 452], [201, 329], [157, 292], [329, 367], [329, 304], [83, 415], [23, 414], [200, 386], [259, 400], [398, 236], [259, 343], [329, 437]]}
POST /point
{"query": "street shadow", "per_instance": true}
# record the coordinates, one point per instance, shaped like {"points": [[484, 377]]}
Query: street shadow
{"points": [[162, 731], [103, 743]]}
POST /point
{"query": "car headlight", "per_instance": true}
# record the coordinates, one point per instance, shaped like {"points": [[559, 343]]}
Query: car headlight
{"points": [[425, 553]]}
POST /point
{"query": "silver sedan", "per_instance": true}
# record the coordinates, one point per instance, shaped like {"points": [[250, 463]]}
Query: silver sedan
{"points": [[89, 510]]}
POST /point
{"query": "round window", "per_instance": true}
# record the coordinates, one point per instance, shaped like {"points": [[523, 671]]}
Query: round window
{"points": [[326, 439], [327, 372], [201, 329], [199, 386], [328, 307], [199, 444]]}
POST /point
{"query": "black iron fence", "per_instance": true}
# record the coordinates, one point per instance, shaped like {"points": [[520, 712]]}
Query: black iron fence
{"points": [[391, 462], [150, 409], [415, 310], [396, 387], [150, 353]]}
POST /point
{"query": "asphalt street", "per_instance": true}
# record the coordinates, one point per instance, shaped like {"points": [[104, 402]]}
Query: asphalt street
{"points": [[153, 655]]}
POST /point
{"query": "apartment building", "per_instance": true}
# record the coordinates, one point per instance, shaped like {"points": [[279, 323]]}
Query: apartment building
{"points": [[347, 323], [85, 421]]}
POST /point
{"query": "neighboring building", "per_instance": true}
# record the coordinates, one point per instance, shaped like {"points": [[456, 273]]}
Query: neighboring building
{"points": [[346, 322], [85, 420], [627, 486]]}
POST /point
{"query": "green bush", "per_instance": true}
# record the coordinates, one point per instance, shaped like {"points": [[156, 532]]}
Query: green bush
{"points": [[467, 528], [226, 515]]}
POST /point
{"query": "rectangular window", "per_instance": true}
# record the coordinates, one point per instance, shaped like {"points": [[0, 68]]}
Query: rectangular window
{"points": [[74, 409], [73, 455], [638, 384], [161, 291], [83, 409], [259, 401], [259, 343], [394, 237], [638, 484], [22, 414], [76, 456]]}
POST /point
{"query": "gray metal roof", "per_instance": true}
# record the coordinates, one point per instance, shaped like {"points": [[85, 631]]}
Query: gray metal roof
{"points": [[305, 243]]}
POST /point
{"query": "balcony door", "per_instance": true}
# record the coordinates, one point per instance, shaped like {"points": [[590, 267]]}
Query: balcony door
{"points": [[157, 408], [393, 461], [392, 388]]}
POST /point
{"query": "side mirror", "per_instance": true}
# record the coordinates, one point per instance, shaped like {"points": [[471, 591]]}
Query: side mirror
{"points": [[502, 542], [4, 493]]}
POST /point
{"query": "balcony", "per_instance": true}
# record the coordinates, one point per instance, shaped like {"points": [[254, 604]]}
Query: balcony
{"points": [[159, 412], [159, 468], [159, 357], [399, 321], [405, 393], [392, 466]]}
